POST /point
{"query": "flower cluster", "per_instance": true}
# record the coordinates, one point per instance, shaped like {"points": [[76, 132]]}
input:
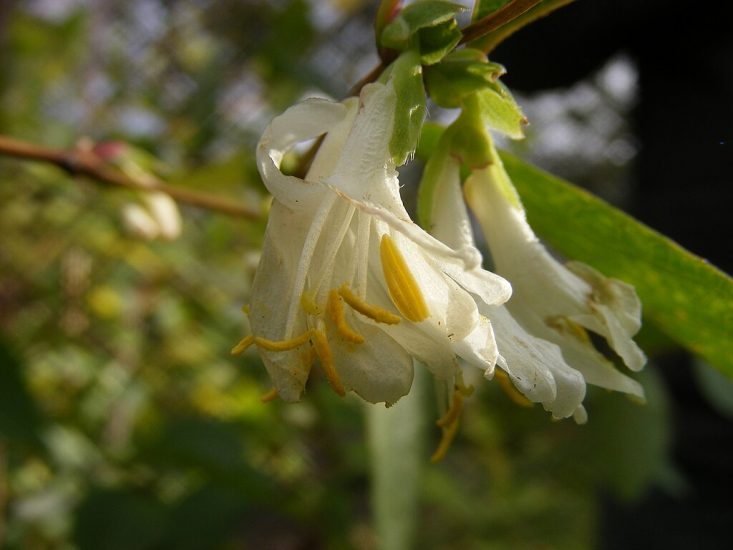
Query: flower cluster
{"points": [[347, 278]]}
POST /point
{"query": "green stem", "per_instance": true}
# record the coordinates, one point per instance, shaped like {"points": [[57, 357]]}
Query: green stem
{"points": [[396, 441]]}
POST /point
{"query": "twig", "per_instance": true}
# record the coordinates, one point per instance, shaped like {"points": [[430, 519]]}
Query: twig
{"points": [[82, 162], [496, 19], [491, 40]]}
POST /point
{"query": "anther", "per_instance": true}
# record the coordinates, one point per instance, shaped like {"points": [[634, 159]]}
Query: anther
{"points": [[336, 311], [506, 384], [323, 350], [368, 310], [283, 345], [243, 344], [403, 287]]}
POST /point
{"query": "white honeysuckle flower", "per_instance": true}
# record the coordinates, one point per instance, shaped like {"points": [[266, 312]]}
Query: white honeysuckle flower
{"points": [[346, 276], [157, 217], [164, 211], [542, 331]]}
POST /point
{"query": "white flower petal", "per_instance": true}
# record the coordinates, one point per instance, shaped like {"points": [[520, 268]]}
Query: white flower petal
{"points": [[543, 287], [378, 370], [299, 123]]}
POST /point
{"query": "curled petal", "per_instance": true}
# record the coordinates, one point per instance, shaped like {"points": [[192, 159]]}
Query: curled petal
{"points": [[304, 121]]}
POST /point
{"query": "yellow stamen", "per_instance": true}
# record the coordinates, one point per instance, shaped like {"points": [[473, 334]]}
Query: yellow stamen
{"points": [[373, 312], [308, 303], [403, 288], [445, 442], [243, 344], [506, 384], [283, 345], [323, 350], [336, 311], [269, 396], [453, 411]]}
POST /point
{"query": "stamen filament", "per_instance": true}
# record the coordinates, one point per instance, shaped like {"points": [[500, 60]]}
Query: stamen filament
{"points": [[336, 310], [452, 413], [269, 396], [446, 439], [506, 385], [403, 287], [243, 344], [323, 350], [283, 345], [373, 312]]}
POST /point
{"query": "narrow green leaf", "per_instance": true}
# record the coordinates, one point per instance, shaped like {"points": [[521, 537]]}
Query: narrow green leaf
{"points": [[688, 298]]}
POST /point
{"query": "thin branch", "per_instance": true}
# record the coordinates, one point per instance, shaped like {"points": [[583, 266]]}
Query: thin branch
{"points": [[492, 39], [496, 19], [83, 162]]}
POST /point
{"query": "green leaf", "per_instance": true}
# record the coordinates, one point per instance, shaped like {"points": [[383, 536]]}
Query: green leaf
{"points": [[685, 296], [482, 8], [406, 74], [459, 74], [499, 110], [429, 26]]}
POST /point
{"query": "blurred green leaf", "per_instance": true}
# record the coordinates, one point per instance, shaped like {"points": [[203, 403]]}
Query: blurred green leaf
{"points": [[19, 416], [627, 445], [688, 298], [119, 520], [207, 518]]}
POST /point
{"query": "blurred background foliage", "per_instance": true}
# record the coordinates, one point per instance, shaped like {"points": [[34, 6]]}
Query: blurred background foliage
{"points": [[125, 424]]}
